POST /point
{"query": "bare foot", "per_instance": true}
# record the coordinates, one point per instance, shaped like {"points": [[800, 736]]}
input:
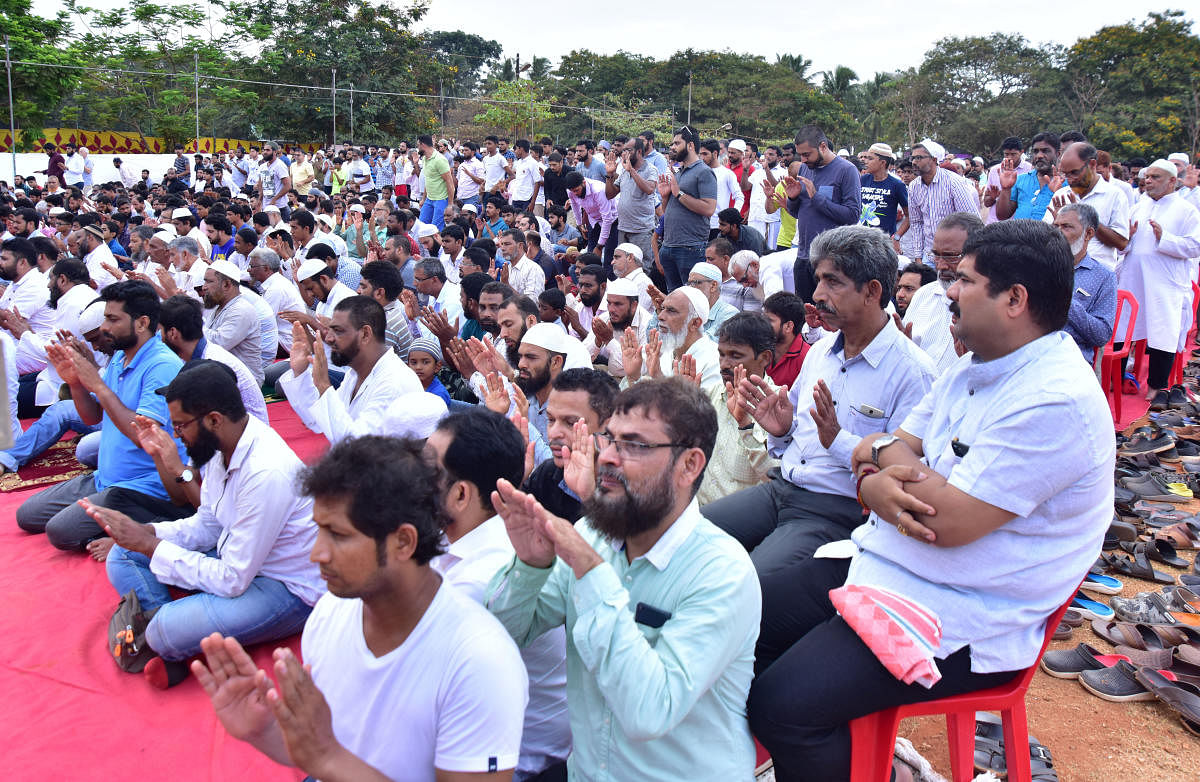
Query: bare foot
{"points": [[99, 548], [1150, 394]]}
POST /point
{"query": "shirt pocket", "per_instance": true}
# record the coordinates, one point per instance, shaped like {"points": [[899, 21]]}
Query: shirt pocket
{"points": [[862, 424]]}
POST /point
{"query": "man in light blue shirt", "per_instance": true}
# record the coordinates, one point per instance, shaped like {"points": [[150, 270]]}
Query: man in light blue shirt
{"points": [[865, 376], [661, 608], [1093, 310], [127, 479], [989, 504]]}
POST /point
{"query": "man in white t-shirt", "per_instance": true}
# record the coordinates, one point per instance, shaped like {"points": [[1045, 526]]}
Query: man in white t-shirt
{"points": [[527, 177], [495, 167], [405, 677], [475, 448], [360, 172]]}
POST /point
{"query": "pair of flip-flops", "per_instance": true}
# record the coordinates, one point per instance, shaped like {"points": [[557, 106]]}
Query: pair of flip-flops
{"points": [[989, 750]]}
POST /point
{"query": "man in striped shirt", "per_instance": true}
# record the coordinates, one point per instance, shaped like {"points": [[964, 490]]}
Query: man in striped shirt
{"points": [[934, 194]]}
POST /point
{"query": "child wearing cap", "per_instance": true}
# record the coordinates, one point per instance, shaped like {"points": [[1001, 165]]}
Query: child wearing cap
{"points": [[425, 359]]}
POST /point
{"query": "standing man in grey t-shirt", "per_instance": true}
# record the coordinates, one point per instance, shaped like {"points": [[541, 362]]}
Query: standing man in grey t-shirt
{"points": [[635, 210], [689, 198]]}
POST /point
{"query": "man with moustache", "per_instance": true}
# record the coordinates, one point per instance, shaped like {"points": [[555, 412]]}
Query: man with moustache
{"points": [[1026, 196], [244, 554], [234, 324], [651, 689], [1158, 270], [581, 401], [937, 192], [927, 318], [541, 356], [1085, 186], [491, 299], [591, 303], [624, 312], [745, 343], [126, 479], [679, 346], [375, 376], [873, 373], [1094, 301]]}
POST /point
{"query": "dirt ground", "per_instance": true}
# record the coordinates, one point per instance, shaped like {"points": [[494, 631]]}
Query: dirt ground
{"points": [[1090, 739]]}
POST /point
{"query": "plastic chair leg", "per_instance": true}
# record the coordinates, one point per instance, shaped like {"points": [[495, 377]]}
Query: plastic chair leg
{"points": [[960, 732], [873, 745], [1016, 743]]}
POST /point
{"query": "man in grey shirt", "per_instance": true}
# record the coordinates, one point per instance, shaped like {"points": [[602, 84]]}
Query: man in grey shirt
{"points": [[689, 200], [635, 210], [234, 324]]}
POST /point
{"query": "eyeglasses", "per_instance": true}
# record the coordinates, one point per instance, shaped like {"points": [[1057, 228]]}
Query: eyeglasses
{"points": [[915, 158], [179, 427], [628, 449], [948, 257], [419, 279]]}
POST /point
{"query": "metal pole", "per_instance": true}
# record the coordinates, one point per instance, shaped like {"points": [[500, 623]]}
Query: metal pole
{"points": [[352, 112], [196, 56], [12, 125], [334, 92], [689, 119]]}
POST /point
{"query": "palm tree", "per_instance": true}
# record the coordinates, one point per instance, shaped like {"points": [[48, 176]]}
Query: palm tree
{"points": [[839, 83], [796, 63]]}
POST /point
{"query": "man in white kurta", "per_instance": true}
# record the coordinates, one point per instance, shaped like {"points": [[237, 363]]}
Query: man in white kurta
{"points": [[1159, 267], [375, 376]]}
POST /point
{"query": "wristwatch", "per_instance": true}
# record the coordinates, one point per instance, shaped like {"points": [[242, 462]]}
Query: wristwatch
{"points": [[879, 445], [187, 475]]}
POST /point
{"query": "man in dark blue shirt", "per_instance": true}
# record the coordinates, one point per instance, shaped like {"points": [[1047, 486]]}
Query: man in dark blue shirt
{"points": [[883, 195], [825, 194]]}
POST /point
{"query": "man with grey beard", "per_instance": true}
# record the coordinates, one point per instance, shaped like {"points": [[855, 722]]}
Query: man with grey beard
{"points": [[663, 606], [679, 347], [1094, 302]]}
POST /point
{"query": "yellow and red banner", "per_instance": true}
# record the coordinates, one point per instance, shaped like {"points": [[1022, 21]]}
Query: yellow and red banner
{"points": [[109, 142]]}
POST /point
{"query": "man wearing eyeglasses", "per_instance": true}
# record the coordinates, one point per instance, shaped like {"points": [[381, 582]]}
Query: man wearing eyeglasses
{"points": [[1085, 186], [663, 608], [245, 552], [927, 319], [935, 193]]}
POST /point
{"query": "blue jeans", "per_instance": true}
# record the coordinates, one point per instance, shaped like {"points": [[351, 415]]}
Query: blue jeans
{"points": [[59, 418], [473, 200], [433, 211], [266, 611], [677, 262]]}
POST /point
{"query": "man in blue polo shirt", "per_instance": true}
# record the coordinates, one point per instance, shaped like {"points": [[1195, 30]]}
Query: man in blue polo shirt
{"points": [[1026, 196], [126, 479]]}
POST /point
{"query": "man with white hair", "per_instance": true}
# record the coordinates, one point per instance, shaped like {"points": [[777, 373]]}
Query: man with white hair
{"points": [[927, 319], [680, 340], [627, 263], [760, 277], [280, 293], [189, 268], [706, 278], [1158, 271], [234, 324], [935, 193]]}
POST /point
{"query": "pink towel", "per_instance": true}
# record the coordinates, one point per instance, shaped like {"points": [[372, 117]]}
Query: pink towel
{"points": [[902, 633]]}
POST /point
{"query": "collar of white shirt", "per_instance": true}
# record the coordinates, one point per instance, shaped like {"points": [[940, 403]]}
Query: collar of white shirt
{"points": [[661, 552], [488, 535]]}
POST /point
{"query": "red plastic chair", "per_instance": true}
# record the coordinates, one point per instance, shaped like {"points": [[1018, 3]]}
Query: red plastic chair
{"points": [[1181, 358], [1111, 379], [873, 737]]}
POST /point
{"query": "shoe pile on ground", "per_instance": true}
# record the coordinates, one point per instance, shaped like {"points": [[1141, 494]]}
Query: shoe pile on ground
{"points": [[1154, 634]]}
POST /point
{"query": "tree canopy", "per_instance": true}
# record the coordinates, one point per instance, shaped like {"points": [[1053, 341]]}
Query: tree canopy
{"points": [[1132, 88]]}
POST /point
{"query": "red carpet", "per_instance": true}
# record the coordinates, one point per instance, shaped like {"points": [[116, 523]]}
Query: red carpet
{"points": [[56, 465], [70, 712]]}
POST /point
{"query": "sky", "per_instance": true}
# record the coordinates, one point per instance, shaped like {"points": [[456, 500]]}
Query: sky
{"points": [[882, 36]]}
